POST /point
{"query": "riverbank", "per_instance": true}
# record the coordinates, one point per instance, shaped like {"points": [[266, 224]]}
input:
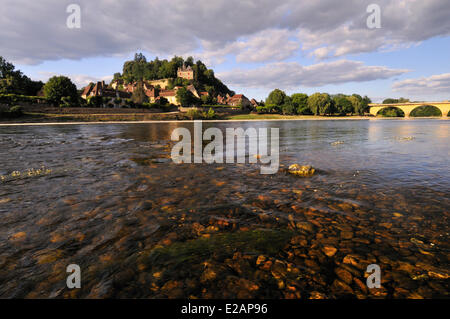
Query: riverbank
{"points": [[30, 118]]}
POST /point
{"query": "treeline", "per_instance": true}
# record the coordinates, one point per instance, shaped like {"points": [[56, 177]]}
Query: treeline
{"points": [[316, 104], [13, 81], [140, 69], [395, 101]]}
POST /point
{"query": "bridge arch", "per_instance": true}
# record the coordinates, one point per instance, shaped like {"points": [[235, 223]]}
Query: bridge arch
{"points": [[422, 112], [390, 110]]}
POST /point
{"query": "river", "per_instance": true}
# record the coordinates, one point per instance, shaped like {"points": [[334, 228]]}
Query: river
{"points": [[108, 198]]}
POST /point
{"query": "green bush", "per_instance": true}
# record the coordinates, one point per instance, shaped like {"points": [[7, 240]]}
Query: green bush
{"points": [[68, 101], [194, 114], [16, 110], [211, 114], [11, 99], [268, 108], [13, 112], [288, 109], [95, 101]]}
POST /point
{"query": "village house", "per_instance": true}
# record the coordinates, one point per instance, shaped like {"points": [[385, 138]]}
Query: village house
{"points": [[239, 100], [101, 89], [235, 100], [170, 95], [157, 89], [193, 90]]}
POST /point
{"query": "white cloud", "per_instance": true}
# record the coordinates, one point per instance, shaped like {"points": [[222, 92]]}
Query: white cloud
{"points": [[267, 45], [403, 23], [434, 84], [80, 80], [288, 75], [251, 30]]}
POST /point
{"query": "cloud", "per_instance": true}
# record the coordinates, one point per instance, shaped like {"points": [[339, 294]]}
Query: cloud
{"points": [[251, 30], [288, 75], [267, 45], [80, 80], [434, 84], [403, 23]]}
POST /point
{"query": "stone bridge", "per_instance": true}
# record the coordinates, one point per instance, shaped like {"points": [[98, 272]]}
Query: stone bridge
{"points": [[407, 108]]}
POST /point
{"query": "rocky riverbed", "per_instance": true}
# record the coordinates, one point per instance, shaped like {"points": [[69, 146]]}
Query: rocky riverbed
{"points": [[140, 226]]}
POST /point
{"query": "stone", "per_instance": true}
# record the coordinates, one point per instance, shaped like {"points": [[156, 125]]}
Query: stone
{"points": [[330, 251], [346, 235], [208, 275], [340, 287], [260, 260], [305, 226], [317, 295], [303, 171], [362, 286], [18, 236], [344, 275]]}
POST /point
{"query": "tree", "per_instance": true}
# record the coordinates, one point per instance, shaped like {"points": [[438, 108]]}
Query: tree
{"points": [[139, 57], [58, 87], [206, 99], [163, 101], [276, 97], [14, 82], [6, 68], [357, 103], [300, 101], [288, 109], [320, 103], [185, 97], [343, 104], [117, 76], [394, 101], [138, 96], [365, 104]]}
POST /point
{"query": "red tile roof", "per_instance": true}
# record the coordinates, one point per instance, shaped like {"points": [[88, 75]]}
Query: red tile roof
{"points": [[167, 93]]}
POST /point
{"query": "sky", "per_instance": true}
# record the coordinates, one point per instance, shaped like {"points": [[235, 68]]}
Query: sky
{"points": [[253, 46]]}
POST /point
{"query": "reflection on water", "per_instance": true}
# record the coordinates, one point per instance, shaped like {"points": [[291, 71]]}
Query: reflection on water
{"points": [[141, 226]]}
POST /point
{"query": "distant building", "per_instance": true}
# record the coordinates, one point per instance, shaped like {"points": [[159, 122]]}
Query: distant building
{"points": [[100, 89], [163, 83], [170, 95], [238, 100], [185, 72], [193, 90]]}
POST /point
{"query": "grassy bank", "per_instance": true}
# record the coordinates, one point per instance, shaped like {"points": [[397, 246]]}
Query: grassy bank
{"points": [[288, 117], [38, 117], [112, 117]]}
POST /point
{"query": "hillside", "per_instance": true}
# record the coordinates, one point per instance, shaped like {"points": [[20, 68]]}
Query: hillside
{"points": [[203, 79]]}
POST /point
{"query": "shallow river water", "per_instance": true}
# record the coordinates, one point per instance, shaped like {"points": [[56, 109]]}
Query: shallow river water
{"points": [[108, 198]]}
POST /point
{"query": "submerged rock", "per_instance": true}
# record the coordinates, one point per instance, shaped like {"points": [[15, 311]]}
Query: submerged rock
{"points": [[304, 171]]}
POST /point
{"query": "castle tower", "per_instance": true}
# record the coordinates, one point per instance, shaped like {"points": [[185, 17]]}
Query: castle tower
{"points": [[185, 72]]}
